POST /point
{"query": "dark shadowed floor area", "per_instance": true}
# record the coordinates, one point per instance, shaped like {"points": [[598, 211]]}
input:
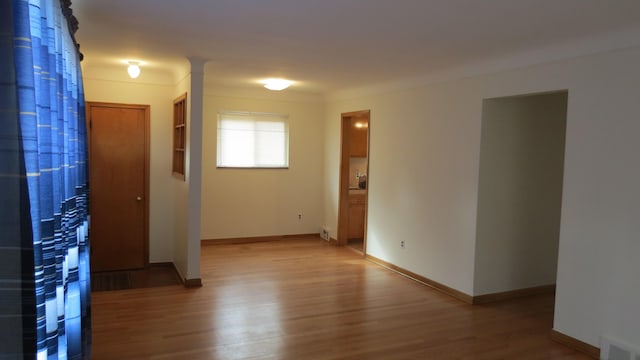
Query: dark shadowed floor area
{"points": [[154, 275]]}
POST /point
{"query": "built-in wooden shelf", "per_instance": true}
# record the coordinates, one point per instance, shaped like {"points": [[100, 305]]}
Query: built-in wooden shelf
{"points": [[179, 136]]}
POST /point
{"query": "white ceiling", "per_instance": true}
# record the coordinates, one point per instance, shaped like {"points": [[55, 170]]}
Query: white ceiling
{"points": [[331, 45]]}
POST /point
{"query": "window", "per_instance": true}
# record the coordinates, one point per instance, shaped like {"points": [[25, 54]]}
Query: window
{"points": [[179, 136], [253, 140]]}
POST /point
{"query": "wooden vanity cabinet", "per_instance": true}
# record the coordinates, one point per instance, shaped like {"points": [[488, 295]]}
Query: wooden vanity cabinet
{"points": [[357, 205]]}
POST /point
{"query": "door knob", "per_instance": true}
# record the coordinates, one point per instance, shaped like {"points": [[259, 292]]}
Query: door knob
{"points": [[139, 198]]}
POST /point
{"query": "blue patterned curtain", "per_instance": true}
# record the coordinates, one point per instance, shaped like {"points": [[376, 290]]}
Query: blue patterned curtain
{"points": [[43, 140]]}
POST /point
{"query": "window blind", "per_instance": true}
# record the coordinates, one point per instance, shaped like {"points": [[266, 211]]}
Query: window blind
{"points": [[252, 140]]}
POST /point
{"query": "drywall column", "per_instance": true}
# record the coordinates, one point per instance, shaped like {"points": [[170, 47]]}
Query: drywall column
{"points": [[194, 164]]}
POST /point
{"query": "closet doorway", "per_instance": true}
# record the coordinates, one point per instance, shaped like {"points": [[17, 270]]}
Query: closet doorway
{"points": [[119, 183]]}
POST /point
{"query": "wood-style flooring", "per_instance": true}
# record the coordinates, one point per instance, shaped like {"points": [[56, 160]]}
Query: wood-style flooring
{"points": [[151, 276], [305, 299], [356, 244]]}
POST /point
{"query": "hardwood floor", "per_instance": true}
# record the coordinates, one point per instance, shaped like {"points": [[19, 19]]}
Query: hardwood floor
{"points": [[357, 244], [304, 299], [153, 275]]}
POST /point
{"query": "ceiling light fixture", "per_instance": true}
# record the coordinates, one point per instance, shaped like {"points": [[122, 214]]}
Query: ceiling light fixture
{"points": [[276, 84], [133, 69]]}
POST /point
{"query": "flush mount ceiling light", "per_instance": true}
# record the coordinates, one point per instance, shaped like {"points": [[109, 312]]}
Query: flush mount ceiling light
{"points": [[276, 84], [361, 125], [133, 69]]}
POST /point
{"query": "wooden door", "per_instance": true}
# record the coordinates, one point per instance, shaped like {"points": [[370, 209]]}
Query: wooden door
{"points": [[118, 180]]}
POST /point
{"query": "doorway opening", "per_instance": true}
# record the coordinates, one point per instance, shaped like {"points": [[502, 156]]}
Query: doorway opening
{"points": [[520, 194], [119, 182], [354, 180]]}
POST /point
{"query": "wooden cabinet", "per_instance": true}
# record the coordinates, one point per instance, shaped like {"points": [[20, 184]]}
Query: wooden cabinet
{"points": [[357, 207], [358, 141]]}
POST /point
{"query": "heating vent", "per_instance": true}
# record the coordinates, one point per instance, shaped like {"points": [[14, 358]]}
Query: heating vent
{"points": [[616, 350], [616, 353]]}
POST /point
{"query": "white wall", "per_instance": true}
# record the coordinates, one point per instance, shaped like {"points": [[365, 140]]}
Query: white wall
{"points": [[598, 282], [263, 202], [195, 116], [423, 184], [520, 192], [150, 89], [180, 192], [422, 179]]}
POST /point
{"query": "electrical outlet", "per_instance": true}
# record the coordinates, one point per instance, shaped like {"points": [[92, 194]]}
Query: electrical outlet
{"points": [[299, 216], [402, 244], [324, 233]]}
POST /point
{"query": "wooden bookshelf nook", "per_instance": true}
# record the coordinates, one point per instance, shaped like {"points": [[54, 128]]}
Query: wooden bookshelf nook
{"points": [[179, 136]]}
